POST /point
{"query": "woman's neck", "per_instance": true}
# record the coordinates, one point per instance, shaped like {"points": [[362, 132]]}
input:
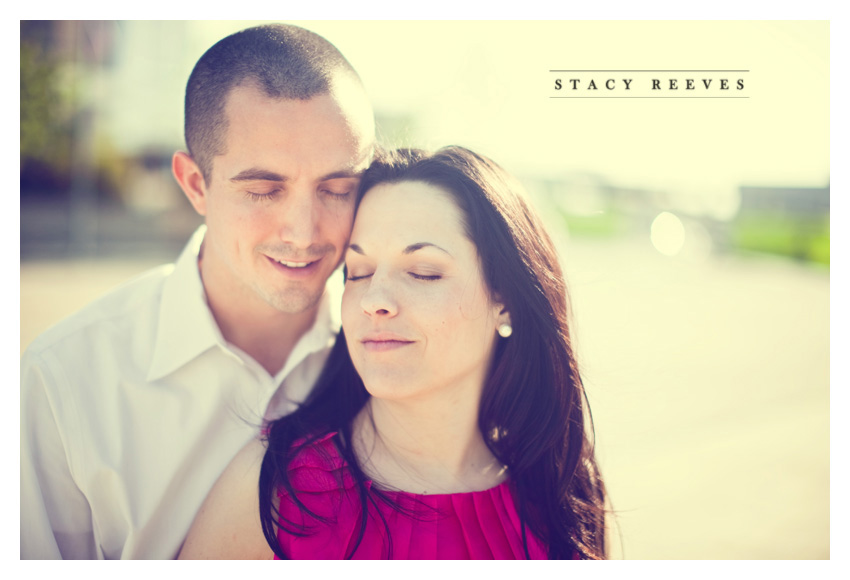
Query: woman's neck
{"points": [[425, 447]]}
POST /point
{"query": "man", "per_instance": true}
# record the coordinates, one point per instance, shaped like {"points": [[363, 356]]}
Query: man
{"points": [[132, 407]]}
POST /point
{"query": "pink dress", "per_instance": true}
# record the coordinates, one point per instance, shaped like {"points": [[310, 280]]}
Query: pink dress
{"points": [[479, 525]]}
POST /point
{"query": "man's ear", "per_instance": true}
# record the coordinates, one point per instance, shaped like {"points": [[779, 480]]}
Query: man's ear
{"points": [[191, 180]]}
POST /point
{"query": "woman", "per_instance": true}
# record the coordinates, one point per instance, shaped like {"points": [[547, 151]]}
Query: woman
{"points": [[450, 421]]}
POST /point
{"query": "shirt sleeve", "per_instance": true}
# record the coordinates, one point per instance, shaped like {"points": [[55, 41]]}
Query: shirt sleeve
{"points": [[56, 520]]}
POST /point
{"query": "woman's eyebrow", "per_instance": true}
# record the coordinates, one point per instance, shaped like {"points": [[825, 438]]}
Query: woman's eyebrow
{"points": [[408, 250], [418, 246]]}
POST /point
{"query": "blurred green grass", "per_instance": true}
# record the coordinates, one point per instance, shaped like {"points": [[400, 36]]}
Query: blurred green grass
{"points": [[803, 237], [596, 225]]}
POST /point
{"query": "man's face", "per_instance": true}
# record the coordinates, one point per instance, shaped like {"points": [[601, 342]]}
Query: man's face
{"points": [[279, 203]]}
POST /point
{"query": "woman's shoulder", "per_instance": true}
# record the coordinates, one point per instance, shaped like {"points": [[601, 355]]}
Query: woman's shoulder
{"points": [[318, 504], [318, 466], [227, 525]]}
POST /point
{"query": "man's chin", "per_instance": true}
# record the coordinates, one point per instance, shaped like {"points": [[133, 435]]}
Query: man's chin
{"points": [[294, 301]]}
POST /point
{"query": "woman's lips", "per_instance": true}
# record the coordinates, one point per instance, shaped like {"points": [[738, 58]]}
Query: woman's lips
{"points": [[384, 342]]}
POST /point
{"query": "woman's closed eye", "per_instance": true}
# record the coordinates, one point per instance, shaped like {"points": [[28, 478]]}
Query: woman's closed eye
{"points": [[426, 277], [352, 277]]}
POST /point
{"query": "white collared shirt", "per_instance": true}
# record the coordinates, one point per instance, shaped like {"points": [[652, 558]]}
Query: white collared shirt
{"points": [[131, 409]]}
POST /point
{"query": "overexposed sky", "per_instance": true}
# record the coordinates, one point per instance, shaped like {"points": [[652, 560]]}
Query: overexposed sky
{"points": [[487, 85]]}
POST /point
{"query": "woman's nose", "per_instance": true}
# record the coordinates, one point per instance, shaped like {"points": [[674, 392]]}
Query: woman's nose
{"points": [[379, 299]]}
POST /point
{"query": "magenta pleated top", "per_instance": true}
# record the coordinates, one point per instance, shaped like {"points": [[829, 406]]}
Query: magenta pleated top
{"points": [[478, 525]]}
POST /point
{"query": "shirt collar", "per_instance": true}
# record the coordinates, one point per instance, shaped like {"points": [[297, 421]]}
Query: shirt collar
{"points": [[186, 327]]}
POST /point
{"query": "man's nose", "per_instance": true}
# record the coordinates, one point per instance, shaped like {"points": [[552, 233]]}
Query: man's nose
{"points": [[299, 218]]}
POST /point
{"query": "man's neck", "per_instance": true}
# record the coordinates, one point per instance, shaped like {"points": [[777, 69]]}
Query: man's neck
{"points": [[257, 328], [268, 339]]}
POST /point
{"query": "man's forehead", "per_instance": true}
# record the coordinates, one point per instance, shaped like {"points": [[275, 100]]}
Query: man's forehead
{"points": [[279, 136], [348, 92], [248, 107]]}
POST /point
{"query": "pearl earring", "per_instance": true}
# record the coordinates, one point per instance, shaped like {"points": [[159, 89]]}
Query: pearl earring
{"points": [[505, 330]]}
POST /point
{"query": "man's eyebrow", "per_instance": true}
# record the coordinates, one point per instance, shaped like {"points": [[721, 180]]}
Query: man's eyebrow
{"points": [[343, 174], [257, 174]]}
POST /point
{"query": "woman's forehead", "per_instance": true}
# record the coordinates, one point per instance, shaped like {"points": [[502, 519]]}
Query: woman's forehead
{"points": [[408, 211]]}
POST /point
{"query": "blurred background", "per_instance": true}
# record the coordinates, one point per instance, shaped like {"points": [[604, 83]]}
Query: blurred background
{"points": [[695, 233]]}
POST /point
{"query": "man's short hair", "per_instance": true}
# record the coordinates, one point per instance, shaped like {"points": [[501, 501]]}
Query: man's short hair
{"points": [[284, 61]]}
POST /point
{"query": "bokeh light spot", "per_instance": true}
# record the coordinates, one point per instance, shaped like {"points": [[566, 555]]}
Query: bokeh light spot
{"points": [[667, 234]]}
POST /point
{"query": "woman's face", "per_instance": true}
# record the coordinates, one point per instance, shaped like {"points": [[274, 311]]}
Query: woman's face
{"points": [[417, 314]]}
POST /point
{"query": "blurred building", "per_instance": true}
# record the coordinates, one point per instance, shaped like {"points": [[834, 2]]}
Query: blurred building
{"points": [[101, 115], [788, 200], [789, 221]]}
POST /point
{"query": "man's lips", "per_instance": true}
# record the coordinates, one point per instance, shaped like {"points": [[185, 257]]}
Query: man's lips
{"points": [[294, 264], [296, 268]]}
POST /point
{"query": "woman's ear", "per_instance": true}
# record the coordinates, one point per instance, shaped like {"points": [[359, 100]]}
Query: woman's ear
{"points": [[503, 320], [191, 180], [505, 329]]}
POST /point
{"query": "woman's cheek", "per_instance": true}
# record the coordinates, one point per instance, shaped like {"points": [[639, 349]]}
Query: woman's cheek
{"points": [[350, 300]]}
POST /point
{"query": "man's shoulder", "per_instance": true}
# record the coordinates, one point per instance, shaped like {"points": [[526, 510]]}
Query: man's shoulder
{"points": [[118, 311]]}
